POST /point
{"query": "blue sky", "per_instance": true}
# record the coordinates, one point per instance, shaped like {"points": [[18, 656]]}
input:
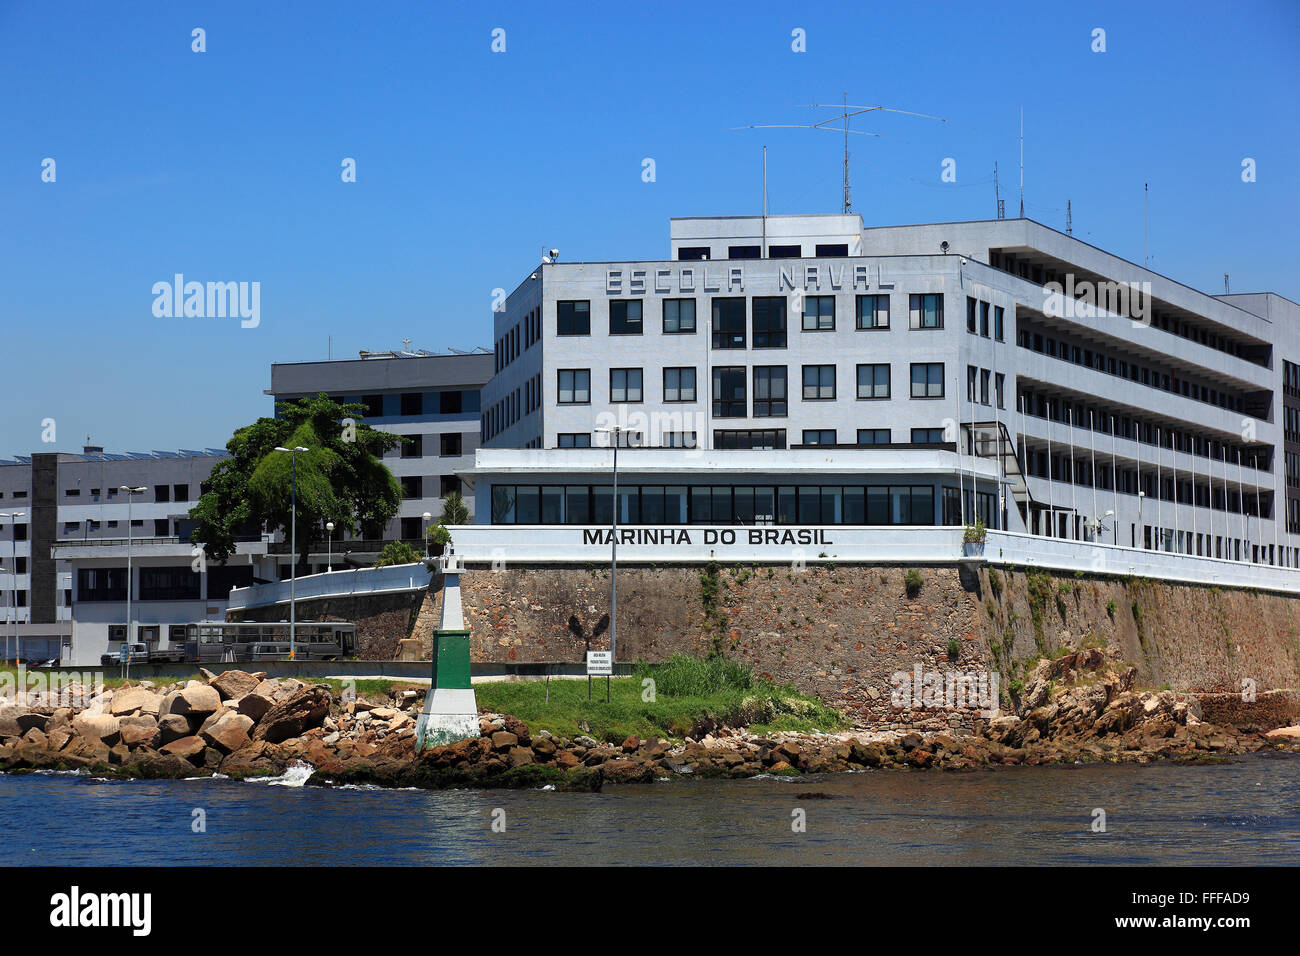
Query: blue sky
{"points": [[225, 165]]}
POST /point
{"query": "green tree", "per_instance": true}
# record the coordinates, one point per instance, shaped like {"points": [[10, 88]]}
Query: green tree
{"points": [[454, 510], [397, 552], [340, 478]]}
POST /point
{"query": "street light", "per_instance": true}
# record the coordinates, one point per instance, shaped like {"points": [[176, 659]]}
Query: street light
{"points": [[329, 546], [1141, 495], [614, 432], [424, 531], [130, 493], [293, 543], [13, 517]]}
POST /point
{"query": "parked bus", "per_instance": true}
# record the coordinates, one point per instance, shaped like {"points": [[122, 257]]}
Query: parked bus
{"points": [[227, 641]]}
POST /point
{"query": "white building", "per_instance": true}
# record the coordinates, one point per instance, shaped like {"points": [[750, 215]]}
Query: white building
{"points": [[966, 358]]}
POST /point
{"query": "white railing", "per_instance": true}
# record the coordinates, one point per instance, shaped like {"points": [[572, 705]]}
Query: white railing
{"points": [[1010, 547], [356, 581]]}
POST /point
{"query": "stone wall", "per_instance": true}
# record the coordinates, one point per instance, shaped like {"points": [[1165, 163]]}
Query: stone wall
{"points": [[382, 619], [842, 631]]}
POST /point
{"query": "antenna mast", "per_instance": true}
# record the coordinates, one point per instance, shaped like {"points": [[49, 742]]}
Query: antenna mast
{"points": [[1146, 225], [846, 111], [997, 194], [1022, 162], [1069, 219]]}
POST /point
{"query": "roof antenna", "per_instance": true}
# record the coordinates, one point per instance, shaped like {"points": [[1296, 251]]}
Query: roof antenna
{"points": [[1146, 224], [1022, 162], [764, 202], [997, 194], [1225, 292], [1069, 219]]}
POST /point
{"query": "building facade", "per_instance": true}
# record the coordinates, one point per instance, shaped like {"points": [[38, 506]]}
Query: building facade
{"points": [[1114, 405]]}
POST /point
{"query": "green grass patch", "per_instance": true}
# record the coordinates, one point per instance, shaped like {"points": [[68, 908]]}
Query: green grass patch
{"points": [[690, 695]]}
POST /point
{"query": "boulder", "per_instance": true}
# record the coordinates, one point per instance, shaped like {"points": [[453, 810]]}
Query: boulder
{"points": [[190, 748], [503, 740], [102, 727], [302, 711], [9, 726], [171, 727], [232, 685], [228, 733], [32, 719], [626, 771], [37, 739], [128, 700], [520, 756], [195, 700], [255, 706], [137, 731]]}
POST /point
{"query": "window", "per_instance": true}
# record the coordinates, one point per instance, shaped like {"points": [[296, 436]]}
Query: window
{"points": [[784, 252], [984, 319], [927, 436], [573, 317], [374, 409], [818, 313], [984, 386], [769, 322], [179, 492], [412, 403], [970, 315], [927, 380], [729, 323], [1000, 380], [448, 484], [413, 446], [679, 385], [971, 371], [101, 584], [70, 526], [729, 392], [160, 527], [692, 253], [927, 311], [873, 381], [819, 436], [575, 386], [873, 436], [449, 446], [450, 402], [573, 440], [873, 311], [412, 486], [744, 252], [832, 250], [677, 440], [169, 584], [818, 383], [625, 317], [20, 532], [997, 323], [770, 391], [160, 493], [625, 385], [749, 438], [76, 493], [679, 316]]}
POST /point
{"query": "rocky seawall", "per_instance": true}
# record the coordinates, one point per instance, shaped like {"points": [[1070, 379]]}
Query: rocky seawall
{"points": [[1082, 706]]}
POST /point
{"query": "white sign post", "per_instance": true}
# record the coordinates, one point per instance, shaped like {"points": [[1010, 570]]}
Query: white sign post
{"points": [[599, 664]]}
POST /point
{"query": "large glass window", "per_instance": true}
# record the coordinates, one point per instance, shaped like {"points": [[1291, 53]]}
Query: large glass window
{"points": [[873, 436], [873, 311], [927, 380], [927, 311], [873, 381], [729, 323], [770, 391], [573, 440], [573, 318], [679, 316], [818, 313], [574, 386], [819, 436], [769, 322], [625, 317], [818, 383], [679, 385], [729, 400], [625, 385]]}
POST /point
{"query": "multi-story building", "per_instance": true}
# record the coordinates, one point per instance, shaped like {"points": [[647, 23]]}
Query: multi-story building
{"points": [[431, 400], [77, 522], [907, 375]]}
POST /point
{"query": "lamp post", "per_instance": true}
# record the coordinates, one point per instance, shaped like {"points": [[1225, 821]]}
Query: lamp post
{"points": [[1141, 495], [130, 493], [13, 517], [424, 529], [329, 546], [614, 432], [293, 544]]}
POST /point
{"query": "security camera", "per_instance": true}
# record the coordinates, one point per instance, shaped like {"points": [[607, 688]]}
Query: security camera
{"points": [[963, 260], [943, 247], [555, 253], [533, 276]]}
